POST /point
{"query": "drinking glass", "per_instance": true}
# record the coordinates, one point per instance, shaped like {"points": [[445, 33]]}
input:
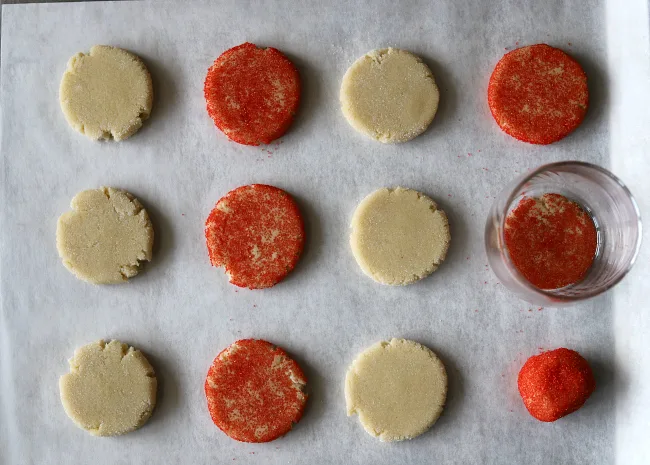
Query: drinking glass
{"points": [[603, 196]]}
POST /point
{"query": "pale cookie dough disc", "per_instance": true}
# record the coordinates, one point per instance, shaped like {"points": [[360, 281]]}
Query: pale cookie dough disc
{"points": [[107, 93], [105, 236], [389, 95], [399, 236], [398, 388], [110, 390]]}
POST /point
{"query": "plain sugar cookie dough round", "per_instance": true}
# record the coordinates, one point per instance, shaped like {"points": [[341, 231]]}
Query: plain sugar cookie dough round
{"points": [[107, 93], [105, 236], [110, 390], [398, 388], [399, 236], [389, 95]]}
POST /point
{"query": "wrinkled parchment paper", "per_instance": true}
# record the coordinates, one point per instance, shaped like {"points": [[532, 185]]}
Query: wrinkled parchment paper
{"points": [[181, 312]]}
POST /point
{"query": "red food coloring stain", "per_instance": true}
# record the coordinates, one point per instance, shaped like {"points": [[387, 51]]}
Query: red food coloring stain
{"points": [[538, 94], [256, 232], [252, 94], [254, 391]]}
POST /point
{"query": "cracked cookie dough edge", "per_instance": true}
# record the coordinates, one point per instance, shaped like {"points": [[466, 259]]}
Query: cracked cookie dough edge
{"points": [[126, 271], [126, 351]]}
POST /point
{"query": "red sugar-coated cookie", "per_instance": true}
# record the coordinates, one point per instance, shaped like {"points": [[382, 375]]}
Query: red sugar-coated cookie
{"points": [[555, 383], [551, 240], [256, 232], [538, 94], [252, 93], [255, 392]]}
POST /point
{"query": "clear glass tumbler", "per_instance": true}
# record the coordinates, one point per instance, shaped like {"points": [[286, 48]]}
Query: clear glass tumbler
{"points": [[610, 204]]}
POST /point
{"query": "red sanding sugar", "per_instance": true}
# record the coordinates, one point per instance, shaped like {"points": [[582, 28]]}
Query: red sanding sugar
{"points": [[255, 392], [256, 232], [551, 240], [538, 94], [555, 383], [252, 93]]}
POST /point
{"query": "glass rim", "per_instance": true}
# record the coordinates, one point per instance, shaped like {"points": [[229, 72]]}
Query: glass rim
{"points": [[551, 293]]}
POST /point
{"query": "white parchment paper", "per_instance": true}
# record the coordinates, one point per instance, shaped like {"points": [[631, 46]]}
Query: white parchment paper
{"points": [[181, 312]]}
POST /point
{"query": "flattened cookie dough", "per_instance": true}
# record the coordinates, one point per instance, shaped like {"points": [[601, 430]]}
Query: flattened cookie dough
{"points": [[389, 95], [538, 94], [398, 388], [105, 236], [257, 233], [107, 93], [255, 392], [110, 390], [252, 93], [399, 236]]}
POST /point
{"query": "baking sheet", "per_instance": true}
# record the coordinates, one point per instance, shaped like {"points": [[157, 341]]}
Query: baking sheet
{"points": [[181, 312]]}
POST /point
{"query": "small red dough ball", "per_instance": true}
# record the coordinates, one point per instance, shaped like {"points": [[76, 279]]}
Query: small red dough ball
{"points": [[255, 392], [538, 94], [256, 232], [555, 383], [252, 93]]}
